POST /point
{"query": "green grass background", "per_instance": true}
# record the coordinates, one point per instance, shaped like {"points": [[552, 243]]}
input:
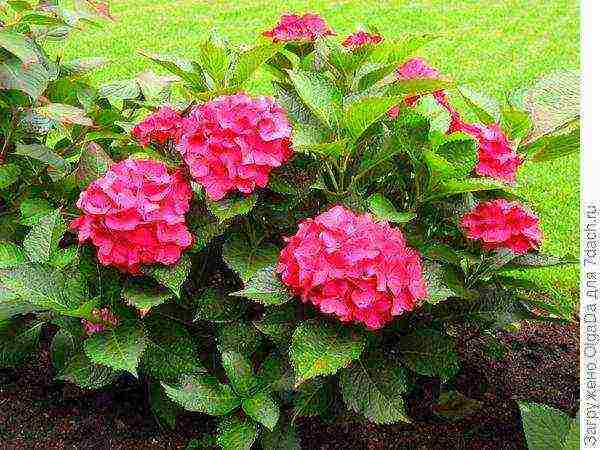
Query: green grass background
{"points": [[493, 45]]}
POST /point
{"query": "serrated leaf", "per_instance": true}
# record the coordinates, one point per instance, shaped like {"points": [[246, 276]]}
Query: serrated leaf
{"points": [[240, 337], [203, 393], [384, 209], [296, 110], [80, 370], [235, 433], [537, 259], [65, 114], [42, 240], [12, 305], [453, 187], [17, 343], [239, 373], [19, 45], [31, 78], [214, 59], [155, 87], [429, 353], [180, 67], [9, 173], [145, 297], [215, 306], [555, 146], [485, 108], [41, 153], [62, 348], [572, 440], [438, 117], [312, 398], [11, 255], [249, 61], [515, 124], [262, 408], [231, 207], [374, 388], [435, 280], [322, 98], [265, 287], [278, 323], [162, 406], [33, 210], [323, 349], [171, 277], [119, 348], [120, 90], [360, 115], [276, 374], [246, 260], [418, 86], [545, 427]]}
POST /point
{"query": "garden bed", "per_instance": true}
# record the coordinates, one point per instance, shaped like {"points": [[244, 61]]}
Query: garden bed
{"points": [[542, 366]]}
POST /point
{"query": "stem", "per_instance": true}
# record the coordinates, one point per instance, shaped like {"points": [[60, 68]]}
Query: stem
{"points": [[332, 176]]}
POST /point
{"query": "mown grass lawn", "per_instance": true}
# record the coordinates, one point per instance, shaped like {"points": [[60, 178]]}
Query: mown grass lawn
{"points": [[495, 45]]}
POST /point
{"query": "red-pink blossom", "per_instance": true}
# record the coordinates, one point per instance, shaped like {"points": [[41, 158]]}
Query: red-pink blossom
{"points": [[361, 38], [292, 27], [104, 318], [351, 266], [135, 214], [158, 127], [497, 159], [503, 224], [233, 142]]}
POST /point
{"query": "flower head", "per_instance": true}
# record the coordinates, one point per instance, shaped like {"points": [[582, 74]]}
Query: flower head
{"points": [[292, 27], [233, 142], [159, 127], [351, 266], [104, 319], [361, 38], [497, 159], [503, 224], [135, 214]]}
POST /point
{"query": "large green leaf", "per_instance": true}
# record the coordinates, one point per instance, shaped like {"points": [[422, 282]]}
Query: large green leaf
{"points": [[120, 90], [171, 277], [235, 433], [63, 348], [283, 437], [249, 61], [384, 209], [33, 210], [203, 393], [437, 116], [454, 157], [295, 108], [41, 153], [42, 240], [184, 69], [145, 297], [312, 398], [323, 349], [65, 114], [429, 353], [80, 370], [214, 59], [374, 388], [30, 78], [321, 97], [265, 287], [360, 115], [537, 259], [19, 45], [239, 373], [246, 260], [215, 306], [93, 163], [573, 439], [231, 207], [485, 108], [555, 145], [119, 348], [545, 427], [17, 342], [162, 406], [278, 323], [11, 255], [453, 187], [262, 408], [239, 337], [9, 173]]}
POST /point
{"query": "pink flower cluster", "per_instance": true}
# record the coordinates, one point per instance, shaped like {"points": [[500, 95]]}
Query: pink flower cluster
{"points": [[105, 318], [361, 38], [503, 224], [353, 267], [135, 214], [497, 159], [159, 127], [233, 142], [292, 27]]}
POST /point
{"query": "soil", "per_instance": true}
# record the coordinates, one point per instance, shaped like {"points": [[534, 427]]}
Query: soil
{"points": [[538, 363]]}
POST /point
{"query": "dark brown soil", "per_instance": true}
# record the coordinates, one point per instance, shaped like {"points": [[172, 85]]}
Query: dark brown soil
{"points": [[541, 364]]}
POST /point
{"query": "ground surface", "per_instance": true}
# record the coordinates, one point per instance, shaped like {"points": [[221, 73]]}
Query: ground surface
{"points": [[542, 366], [494, 46]]}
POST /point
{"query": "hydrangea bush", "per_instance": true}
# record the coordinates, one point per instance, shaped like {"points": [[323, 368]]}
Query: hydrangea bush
{"points": [[261, 258]]}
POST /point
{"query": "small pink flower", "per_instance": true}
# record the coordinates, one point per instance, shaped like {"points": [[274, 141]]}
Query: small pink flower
{"points": [[306, 28], [503, 224], [361, 38], [135, 214], [104, 319], [351, 266], [159, 127], [233, 142], [497, 159]]}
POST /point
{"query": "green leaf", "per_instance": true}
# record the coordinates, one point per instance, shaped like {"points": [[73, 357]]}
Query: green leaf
{"points": [[441, 283], [214, 60], [360, 115], [249, 61], [374, 388], [312, 398], [81, 66], [537, 259], [41, 153], [235, 433], [9, 173], [80, 370], [384, 209], [455, 406], [19, 45], [231, 207], [33, 210], [239, 373], [42, 240], [119, 348], [262, 408], [429, 353], [180, 67], [453, 187], [203, 393], [171, 277], [93, 163], [418, 86], [283, 437], [11, 255], [246, 260], [572, 440], [545, 427], [554, 146], [278, 323], [437, 116], [516, 124], [170, 350], [120, 90], [12, 305], [485, 108], [63, 348], [214, 306], [276, 374], [162, 406], [266, 288], [145, 297], [454, 157], [306, 136], [296, 110], [17, 342], [65, 114], [30, 78], [321, 97], [240, 337], [323, 349]]}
